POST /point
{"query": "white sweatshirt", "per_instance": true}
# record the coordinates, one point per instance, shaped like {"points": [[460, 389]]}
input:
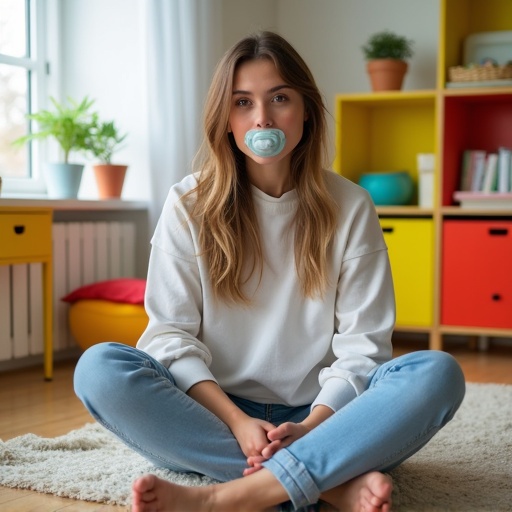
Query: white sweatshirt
{"points": [[284, 348]]}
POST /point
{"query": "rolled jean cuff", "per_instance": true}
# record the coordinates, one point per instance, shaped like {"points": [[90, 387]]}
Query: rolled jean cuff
{"points": [[294, 477]]}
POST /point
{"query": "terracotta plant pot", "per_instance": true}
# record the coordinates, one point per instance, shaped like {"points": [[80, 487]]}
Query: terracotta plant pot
{"points": [[386, 74], [110, 180]]}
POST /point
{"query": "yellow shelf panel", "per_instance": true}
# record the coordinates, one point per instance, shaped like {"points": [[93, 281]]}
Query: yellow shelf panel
{"points": [[476, 91], [459, 19], [388, 97], [404, 211]]}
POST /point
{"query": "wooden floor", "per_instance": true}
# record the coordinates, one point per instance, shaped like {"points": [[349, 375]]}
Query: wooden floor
{"points": [[49, 409]]}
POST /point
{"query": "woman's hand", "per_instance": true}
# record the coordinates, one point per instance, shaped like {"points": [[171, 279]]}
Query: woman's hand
{"points": [[251, 434], [278, 438], [285, 434]]}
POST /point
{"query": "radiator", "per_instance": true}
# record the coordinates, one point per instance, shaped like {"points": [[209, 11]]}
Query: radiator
{"points": [[83, 253]]}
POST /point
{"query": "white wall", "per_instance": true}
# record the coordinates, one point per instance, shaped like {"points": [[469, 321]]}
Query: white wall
{"points": [[329, 35], [241, 17], [103, 55]]}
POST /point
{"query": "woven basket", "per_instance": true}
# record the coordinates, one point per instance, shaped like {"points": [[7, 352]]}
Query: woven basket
{"points": [[479, 73]]}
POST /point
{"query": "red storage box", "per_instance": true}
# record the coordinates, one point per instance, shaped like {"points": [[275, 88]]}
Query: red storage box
{"points": [[477, 273]]}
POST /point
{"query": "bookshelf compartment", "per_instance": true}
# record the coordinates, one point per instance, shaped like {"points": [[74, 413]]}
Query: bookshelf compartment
{"points": [[411, 252], [383, 132], [472, 121], [461, 18], [476, 273]]}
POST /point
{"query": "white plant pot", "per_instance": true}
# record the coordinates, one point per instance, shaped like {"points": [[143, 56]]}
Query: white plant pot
{"points": [[63, 180]]}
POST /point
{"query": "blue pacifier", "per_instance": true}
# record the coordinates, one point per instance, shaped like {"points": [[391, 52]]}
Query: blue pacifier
{"points": [[266, 143]]}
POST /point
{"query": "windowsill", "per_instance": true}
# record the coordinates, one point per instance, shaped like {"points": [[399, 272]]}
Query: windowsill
{"points": [[74, 204]]}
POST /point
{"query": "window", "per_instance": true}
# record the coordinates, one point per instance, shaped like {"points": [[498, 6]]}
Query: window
{"points": [[23, 89]]}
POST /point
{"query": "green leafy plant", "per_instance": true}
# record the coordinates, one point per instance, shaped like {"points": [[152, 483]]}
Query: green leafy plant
{"points": [[69, 124], [104, 140], [387, 45]]}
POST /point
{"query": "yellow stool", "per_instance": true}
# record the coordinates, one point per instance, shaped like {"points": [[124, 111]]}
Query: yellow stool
{"points": [[95, 321]]}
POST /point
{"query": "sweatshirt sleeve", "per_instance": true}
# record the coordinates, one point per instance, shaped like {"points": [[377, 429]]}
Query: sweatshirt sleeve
{"points": [[364, 313], [173, 301]]}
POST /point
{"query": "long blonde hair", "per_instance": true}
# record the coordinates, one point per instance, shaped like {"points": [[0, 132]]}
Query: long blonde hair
{"points": [[223, 206]]}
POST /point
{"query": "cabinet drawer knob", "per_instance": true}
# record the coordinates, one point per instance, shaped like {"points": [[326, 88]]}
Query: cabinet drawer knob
{"points": [[388, 230], [19, 230], [496, 297], [498, 231]]}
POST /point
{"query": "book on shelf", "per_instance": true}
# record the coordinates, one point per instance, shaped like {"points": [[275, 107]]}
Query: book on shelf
{"points": [[486, 180], [483, 172], [480, 200], [504, 170], [477, 170], [472, 162], [490, 177]]}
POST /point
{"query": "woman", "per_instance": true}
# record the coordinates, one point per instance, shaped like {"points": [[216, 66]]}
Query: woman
{"points": [[266, 363]]}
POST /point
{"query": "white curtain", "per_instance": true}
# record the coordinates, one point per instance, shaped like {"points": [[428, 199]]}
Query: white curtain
{"points": [[184, 43]]}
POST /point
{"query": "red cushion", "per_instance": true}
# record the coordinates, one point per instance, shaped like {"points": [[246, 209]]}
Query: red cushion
{"points": [[125, 290]]}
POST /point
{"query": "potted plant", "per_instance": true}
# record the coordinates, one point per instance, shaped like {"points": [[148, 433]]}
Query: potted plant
{"points": [[104, 139], [70, 126], [386, 54]]}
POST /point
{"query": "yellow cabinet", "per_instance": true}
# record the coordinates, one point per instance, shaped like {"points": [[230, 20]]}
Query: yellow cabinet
{"points": [[410, 244], [26, 237]]}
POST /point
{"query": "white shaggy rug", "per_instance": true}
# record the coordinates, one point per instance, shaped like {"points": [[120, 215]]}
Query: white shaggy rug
{"points": [[466, 467]]}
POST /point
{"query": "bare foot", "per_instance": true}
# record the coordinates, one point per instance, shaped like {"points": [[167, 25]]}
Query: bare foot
{"points": [[152, 494], [366, 493]]}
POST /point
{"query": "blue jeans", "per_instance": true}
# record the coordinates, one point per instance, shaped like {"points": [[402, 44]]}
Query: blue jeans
{"points": [[407, 401]]}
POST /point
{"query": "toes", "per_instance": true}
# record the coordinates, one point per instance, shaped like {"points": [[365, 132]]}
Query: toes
{"points": [[144, 484]]}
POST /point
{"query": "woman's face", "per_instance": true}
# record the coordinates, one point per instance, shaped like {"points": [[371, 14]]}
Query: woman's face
{"points": [[262, 99]]}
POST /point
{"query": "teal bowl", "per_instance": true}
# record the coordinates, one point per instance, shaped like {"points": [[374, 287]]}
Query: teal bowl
{"points": [[388, 188]]}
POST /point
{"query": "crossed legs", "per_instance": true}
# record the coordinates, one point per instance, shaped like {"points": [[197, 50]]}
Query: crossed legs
{"points": [[368, 493], [341, 462]]}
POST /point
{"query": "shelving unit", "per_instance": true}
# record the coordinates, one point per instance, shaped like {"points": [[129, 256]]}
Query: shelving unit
{"points": [[445, 284], [26, 235]]}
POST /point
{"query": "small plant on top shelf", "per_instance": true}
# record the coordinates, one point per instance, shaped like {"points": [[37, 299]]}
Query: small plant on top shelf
{"points": [[387, 45], [386, 54]]}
